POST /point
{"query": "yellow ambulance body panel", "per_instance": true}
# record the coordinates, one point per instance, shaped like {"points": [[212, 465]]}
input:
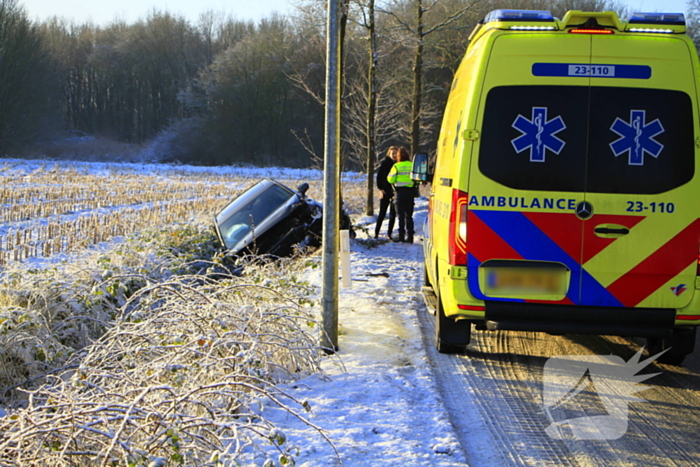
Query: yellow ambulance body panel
{"points": [[565, 194]]}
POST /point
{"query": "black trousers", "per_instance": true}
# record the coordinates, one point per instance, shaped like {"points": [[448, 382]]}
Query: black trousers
{"points": [[404, 209], [385, 203]]}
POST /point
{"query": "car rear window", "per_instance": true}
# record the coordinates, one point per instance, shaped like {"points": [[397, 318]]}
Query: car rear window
{"points": [[594, 139]]}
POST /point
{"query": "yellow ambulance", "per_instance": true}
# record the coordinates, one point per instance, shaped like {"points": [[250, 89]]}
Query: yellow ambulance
{"points": [[565, 192]]}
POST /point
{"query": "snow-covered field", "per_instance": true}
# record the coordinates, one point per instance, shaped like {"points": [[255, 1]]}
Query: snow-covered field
{"points": [[376, 400], [379, 401]]}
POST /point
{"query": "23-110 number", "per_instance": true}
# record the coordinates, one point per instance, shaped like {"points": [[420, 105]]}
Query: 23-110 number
{"points": [[638, 206], [592, 70]]}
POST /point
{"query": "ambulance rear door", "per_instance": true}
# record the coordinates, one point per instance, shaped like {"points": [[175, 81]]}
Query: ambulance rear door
{"points": [[640, 235], [525, 241]]}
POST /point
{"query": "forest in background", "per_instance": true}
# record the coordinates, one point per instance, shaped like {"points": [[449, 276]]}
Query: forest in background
{"points": [[225, 91]]}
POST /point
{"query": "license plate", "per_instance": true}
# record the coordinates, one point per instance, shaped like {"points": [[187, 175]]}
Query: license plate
{"points": [[524, 281]]}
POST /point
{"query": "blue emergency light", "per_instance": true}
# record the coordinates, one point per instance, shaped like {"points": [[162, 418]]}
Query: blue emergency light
{"points": [[519, 15], [667, 19]]}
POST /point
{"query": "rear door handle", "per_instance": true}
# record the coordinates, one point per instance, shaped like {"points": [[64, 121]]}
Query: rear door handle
{"points": [[610, 230]]}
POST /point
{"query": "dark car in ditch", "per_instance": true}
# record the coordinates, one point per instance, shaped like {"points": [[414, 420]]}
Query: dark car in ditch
{"points": [[271, 218]]}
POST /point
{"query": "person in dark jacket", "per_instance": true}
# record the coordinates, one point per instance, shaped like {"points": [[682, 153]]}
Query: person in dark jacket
{"points": [[386, 192], [400, 177]]}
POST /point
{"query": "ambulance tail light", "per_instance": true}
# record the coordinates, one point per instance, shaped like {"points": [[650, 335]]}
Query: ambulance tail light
{"points": [[458, 228], [591, 31]]}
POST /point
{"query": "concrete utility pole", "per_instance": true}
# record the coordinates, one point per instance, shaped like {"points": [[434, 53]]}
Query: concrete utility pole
{"points": [[331, 183]]}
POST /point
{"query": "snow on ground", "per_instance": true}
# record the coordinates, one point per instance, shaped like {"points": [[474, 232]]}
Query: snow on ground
{"points": [[25, 167], [378, 401]]}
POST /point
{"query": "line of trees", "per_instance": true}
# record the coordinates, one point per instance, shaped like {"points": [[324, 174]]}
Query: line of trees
{"points": [[222, 91]]}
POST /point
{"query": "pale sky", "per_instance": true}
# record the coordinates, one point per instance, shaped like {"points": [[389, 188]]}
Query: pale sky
{"points": [[102, 12]]}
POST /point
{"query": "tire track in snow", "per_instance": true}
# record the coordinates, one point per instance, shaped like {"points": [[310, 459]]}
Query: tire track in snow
{"points": [[501, 377], [498, 424]]}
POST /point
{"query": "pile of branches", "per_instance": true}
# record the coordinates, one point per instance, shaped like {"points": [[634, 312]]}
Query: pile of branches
{"points": [[180, 377], [49, 311]]}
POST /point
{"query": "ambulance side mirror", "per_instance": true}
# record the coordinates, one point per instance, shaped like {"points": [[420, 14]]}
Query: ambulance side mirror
{"points": [[421, 168]]}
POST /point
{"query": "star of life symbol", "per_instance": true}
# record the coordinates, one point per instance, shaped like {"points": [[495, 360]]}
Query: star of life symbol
{"points": [[613, 382], [637, 137], [538, 134]]}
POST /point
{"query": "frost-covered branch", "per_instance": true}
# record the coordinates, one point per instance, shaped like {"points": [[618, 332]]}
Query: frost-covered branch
{"points": [[186, 372]]}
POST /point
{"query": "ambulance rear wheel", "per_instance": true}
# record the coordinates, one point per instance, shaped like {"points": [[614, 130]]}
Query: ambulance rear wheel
{"points": [[680, 344], [450, 336]]}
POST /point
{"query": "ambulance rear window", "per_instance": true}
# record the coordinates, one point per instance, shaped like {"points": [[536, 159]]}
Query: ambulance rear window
{"points": [[595, 139]]}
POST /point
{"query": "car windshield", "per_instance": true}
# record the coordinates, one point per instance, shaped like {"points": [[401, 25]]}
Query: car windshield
{"points": [[250, 210]]}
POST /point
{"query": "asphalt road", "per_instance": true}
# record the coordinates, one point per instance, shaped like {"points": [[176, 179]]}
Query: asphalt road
{"points": [[494, 394]]}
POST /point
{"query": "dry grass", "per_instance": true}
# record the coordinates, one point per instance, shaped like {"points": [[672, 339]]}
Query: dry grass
{"points": [[60, 209], [180, 375], [47, 314], [57, 209]]}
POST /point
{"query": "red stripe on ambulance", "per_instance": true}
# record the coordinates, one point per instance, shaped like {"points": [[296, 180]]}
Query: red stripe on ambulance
{"points": [[485, 243], [652, 273], [592, 243], [563, 229]]}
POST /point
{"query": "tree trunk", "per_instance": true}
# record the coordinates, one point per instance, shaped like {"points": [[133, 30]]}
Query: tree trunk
{"points": [[371, 108], [417, 81], [345, 5]]}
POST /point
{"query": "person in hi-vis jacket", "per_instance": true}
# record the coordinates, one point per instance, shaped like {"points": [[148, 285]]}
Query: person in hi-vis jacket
{"points": [[400, 177]]}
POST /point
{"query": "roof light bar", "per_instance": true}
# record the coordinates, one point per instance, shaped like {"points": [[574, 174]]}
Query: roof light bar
{"points": [[533, 28], [652, 30], [675, 19], [519, 15]]}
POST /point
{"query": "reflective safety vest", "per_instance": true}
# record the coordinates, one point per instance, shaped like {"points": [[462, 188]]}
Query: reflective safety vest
{"points": [[400, 174]]}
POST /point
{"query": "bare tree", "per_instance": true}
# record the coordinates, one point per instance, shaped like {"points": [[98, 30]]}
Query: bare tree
{"points": [[367, 21], [251, 98], [693, 21], [371, 111], [560, 7], [416, 27], [25, 77], [121, 80]]}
